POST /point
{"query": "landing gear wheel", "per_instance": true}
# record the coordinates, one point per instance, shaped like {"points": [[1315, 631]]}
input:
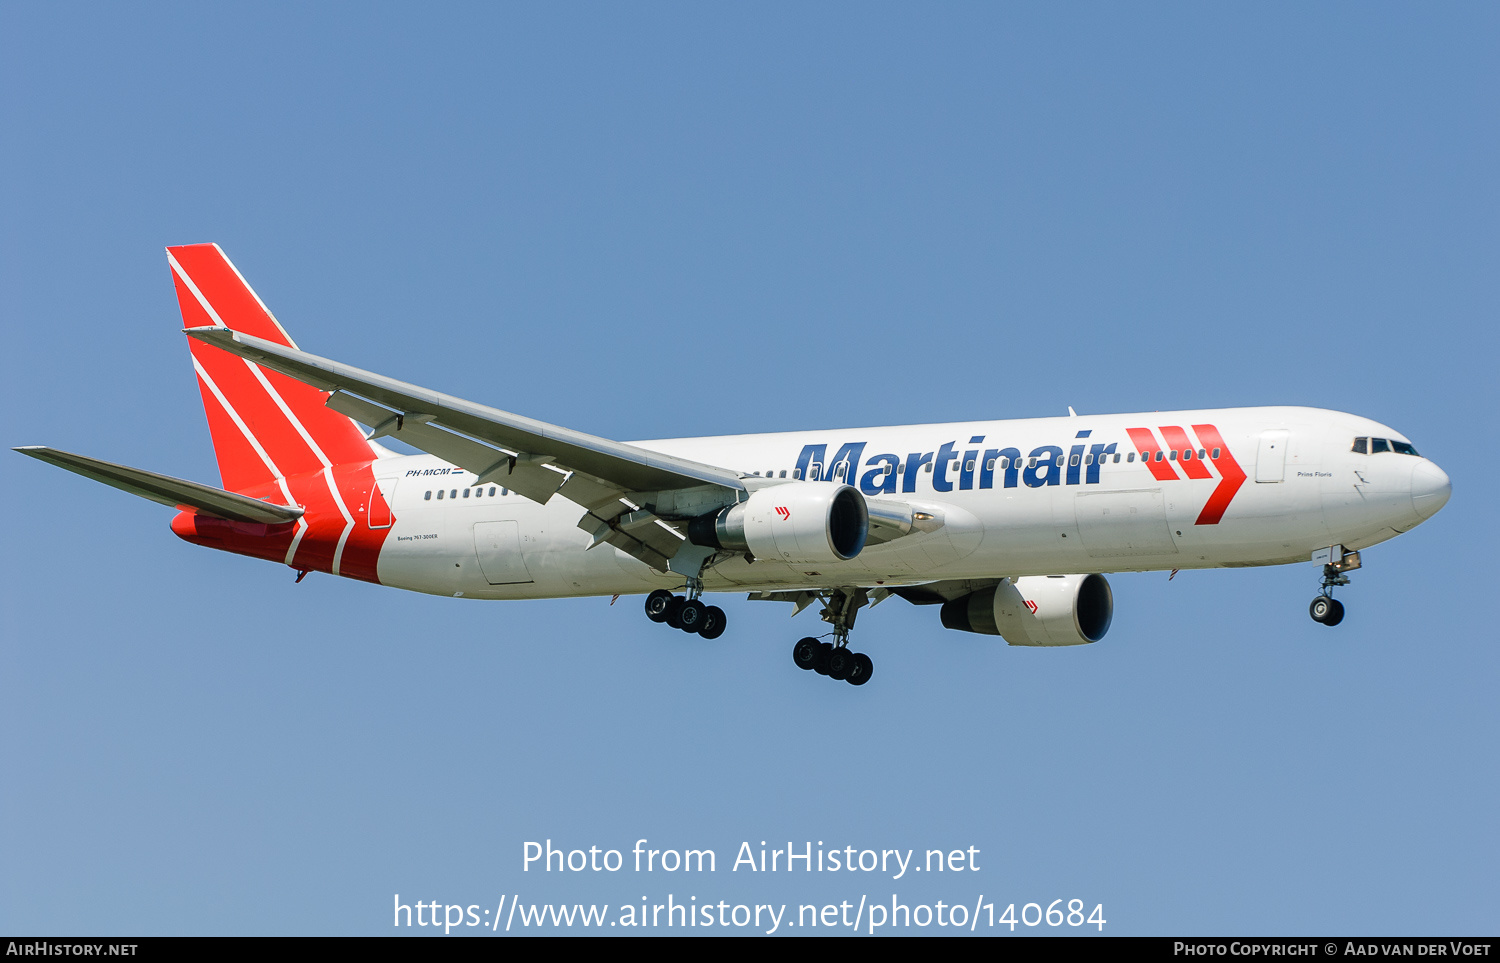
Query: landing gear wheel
{"points": [[840, 664], [674, 609], [862, 670], [714, 621], [820, 662], [805, 653], [1326, 610], [657, 604], [691, 616]]}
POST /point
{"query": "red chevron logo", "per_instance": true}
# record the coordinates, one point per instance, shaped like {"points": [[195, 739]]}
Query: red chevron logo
{"points": [[784, 512], [1231, 475]]}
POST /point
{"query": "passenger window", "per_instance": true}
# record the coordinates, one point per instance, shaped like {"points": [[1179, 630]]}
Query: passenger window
{"points": [[989, 465], [1202, 454], [1128, 458], [1216, 454], [1031, 463], [453, 493], [1378, 445], [1117, 458], [466, 493], [796, 473], [1187, 454], [969, 465], [492, 491], [440, 495], [1158, 454], [427, 497], [1073, 461], [1172, 455], [783, 473]]}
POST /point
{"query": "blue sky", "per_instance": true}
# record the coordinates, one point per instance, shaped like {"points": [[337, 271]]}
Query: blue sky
{"points": [[664, 220]]}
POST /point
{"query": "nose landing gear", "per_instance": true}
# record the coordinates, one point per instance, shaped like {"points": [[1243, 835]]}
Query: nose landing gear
{"points": [[1326, 609]]}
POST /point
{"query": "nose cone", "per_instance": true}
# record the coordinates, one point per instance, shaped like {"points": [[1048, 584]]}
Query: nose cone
{"points": [[1430, 489]]}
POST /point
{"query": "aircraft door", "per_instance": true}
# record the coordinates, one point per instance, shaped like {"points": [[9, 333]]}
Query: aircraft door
{"points": [[1270, 460]]}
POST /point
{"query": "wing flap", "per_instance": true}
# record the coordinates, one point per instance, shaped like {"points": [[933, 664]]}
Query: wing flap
{"points": [[491, 464], [166, 490]]}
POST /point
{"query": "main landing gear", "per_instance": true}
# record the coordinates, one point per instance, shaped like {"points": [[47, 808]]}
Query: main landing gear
{"points": [[1326, 609], [834, 659], [688, 614]]}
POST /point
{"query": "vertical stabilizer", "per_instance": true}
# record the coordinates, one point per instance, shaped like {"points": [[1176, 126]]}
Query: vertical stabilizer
{"points": [[265, 426]]}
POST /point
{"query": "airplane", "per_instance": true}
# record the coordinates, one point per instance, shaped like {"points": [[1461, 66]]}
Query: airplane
{"points": [[1008, 527]]}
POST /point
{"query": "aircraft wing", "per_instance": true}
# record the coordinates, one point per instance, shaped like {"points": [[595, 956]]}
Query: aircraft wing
{"points": [[169, 491], [532, 458]]}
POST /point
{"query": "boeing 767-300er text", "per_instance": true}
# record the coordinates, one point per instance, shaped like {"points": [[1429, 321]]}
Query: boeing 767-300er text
{"points": [[1006, 525]]}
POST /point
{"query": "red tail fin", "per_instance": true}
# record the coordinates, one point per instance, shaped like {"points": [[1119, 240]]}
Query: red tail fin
{"points": [[265, 426]]}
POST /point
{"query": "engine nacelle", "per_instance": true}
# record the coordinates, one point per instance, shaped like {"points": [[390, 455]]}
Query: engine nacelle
{"points": [[802, 522], [1037, 610]]}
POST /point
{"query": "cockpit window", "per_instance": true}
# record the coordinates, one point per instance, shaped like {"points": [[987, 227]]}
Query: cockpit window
{"points": [[1362, 446], [1379, 445], [1403, 448]]}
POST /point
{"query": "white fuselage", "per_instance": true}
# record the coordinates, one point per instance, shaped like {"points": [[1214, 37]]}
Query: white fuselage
{"points": [[1027, 497]]}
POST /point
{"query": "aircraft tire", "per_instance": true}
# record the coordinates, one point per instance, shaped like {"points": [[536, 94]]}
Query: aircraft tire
{"points": [[714, 622], [805, 653], [1321, 609], [674, 609], [840, 664], [864, 667], [1335, 613], [657, 604], [691, 616], [820, 662]]}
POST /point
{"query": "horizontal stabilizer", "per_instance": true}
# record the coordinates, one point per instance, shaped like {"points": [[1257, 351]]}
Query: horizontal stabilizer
{"points": [[166, 490]]}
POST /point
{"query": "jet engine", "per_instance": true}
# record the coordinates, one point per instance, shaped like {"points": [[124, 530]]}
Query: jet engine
{"points": [[802, 522], [1037, 610]]}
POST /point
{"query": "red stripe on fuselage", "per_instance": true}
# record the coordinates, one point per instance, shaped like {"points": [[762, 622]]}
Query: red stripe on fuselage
{"points": [[362, 550], [1229, 469], [1145, 443], [1178, 441], [324, 522]]}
